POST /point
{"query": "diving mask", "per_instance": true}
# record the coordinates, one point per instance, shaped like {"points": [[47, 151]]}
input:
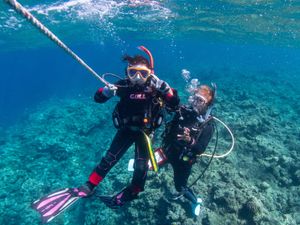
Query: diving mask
{"points": [[198, 103], [138, 74], [143, 71]]}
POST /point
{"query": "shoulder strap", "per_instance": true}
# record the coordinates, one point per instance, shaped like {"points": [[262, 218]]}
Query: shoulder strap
{"points": [[202, 126]]}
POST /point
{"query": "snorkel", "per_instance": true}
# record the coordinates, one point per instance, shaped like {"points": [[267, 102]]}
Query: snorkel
{"points": [[144, 49], [151, 61]]}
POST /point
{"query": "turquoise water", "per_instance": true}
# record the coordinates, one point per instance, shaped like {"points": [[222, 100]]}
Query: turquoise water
{"points": [[53, 134]]}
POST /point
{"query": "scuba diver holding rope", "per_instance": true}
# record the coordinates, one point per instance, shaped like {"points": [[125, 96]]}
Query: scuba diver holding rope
{"points": [[136, 116], [139, 112]]}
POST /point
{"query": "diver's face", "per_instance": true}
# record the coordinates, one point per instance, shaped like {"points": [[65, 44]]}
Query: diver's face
{"points": [[198, 103], [138, 74]]}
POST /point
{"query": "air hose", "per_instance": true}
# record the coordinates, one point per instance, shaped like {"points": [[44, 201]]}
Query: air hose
{"points": [[232, 143], [213, 155]]}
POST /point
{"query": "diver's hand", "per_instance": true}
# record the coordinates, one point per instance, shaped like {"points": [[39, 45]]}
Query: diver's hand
{"points": [[112, 87], [109, 90], [186, 136], [160, 85]]}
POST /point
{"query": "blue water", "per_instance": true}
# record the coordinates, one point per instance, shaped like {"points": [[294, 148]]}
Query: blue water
{"points": [[49, 122], [34, 75], [29, 76]]}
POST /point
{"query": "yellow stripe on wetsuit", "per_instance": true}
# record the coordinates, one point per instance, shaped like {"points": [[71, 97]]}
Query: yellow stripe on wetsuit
{"points": [[151, 153]]}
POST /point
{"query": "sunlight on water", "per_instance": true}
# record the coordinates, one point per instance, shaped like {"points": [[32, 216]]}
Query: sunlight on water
{"points": [[265, 21]]}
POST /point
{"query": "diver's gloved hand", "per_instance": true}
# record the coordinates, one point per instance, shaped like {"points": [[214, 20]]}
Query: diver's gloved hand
{"points": [[109, 90], [186, 136], [160, 85], [86, 190]]}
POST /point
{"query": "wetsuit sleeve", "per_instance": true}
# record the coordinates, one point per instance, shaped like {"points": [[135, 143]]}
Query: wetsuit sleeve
{"points": [[200, 145], [171, 98], [100, 97]]}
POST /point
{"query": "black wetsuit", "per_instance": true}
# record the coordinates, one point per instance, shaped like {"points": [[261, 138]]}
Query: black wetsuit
{"points": [[181, 154], [138, 110]]}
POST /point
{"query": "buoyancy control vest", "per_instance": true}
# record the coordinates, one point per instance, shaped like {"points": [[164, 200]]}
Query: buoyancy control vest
{"points": [[138, 109], [184, 117]]}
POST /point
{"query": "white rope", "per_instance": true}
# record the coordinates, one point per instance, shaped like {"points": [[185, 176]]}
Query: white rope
{"points": [[232, 143], [24, 12]]}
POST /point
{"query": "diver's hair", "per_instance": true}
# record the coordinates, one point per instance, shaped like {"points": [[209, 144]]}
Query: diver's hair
{"points": [[207, 91], [135, 60]]}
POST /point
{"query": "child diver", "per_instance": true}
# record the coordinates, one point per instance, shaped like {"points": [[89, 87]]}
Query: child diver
{"points": [[186, 136], [138, 114]]}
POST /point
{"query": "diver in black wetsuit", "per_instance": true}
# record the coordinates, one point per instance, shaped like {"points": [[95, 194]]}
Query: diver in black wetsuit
{"points": [[186, 136], [139, 112]]}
